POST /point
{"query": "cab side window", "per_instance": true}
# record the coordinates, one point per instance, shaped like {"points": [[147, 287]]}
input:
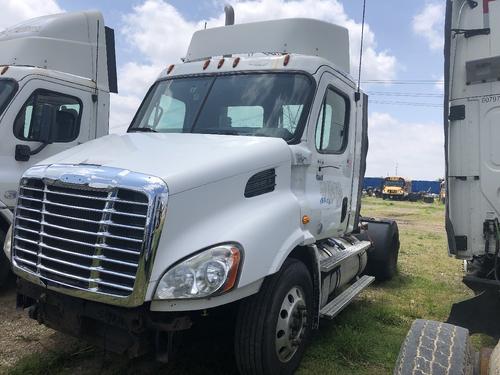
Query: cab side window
{"points": [[333, 123], [49, 115]]}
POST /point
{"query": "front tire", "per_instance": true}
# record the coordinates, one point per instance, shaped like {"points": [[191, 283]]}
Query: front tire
{"points": [[273, 326], [4, 263]]}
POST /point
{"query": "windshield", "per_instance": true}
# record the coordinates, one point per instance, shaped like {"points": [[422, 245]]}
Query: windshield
{"points": [[397, 183], [261, 104], [7, 88]]}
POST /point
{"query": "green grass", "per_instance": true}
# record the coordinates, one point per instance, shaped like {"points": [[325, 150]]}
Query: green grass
{"points": [[364, 339]]}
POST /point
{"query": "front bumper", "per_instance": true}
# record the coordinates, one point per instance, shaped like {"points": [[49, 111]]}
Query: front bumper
{"points": [[128, 331]]}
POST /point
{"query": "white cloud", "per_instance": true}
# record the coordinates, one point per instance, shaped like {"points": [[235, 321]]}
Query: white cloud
{"points": [[161, 34], [429, 23], [15, 11], [416, 148]]}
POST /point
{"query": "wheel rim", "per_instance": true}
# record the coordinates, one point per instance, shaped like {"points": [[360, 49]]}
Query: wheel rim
{"points": [[291, 325]]}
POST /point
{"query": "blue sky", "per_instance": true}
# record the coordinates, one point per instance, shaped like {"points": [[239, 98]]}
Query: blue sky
{"points": [[403, 43]]}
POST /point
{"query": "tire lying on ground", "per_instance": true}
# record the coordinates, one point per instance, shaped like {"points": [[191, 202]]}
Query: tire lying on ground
{"points": [[384, 253], [434, 348], [273, 326]]}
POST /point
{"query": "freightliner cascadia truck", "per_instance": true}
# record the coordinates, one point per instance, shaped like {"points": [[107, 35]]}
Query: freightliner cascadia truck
{"points": [[56, 73], [472, 146], [238, 184]]}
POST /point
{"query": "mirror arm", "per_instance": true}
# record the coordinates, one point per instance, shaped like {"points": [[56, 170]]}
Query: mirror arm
{"points": [[39, 148]]}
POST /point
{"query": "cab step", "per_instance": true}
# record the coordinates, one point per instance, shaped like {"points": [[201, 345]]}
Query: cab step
{"points": [[333, 308], [330, 263]]}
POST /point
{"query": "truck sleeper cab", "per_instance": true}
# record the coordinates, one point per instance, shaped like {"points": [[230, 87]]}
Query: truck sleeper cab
{"points": [[50, 97], [237, 184]]}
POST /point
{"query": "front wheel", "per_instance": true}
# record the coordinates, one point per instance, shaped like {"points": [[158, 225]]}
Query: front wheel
{"points": [[273, 326], [4, 263]]}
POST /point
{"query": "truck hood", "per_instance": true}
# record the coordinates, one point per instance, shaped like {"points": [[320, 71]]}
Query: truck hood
{"points": [[183, 161]]}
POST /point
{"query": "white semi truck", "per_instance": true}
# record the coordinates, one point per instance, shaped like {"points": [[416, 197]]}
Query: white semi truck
{"points": [[237, 185], [56, 73], [472, 138]]}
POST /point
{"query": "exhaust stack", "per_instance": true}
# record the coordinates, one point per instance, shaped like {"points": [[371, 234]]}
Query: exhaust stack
{"points": [[229, 10]]}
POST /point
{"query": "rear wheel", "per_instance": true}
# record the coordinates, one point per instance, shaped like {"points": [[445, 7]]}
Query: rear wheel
{"points": [[384, 253], [434, 348], [273, 326]]}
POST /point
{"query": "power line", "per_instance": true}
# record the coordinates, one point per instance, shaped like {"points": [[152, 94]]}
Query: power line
{"points": [[411, 104], [406, 94], [403, 82]]}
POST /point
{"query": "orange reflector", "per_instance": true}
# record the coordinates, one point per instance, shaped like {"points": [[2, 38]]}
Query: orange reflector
{"points": [[4, 69], [236, 62], [287, 59], [306, 219], [221, 62], [206, 64], [170, 68], [233, 272]]}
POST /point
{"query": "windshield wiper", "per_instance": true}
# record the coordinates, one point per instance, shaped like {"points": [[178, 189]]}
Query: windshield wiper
{"points": [[218, 131], [142, 130]]}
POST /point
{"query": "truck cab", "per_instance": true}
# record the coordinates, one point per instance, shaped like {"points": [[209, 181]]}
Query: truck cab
{"points": [[56, 73], [237, 185]]}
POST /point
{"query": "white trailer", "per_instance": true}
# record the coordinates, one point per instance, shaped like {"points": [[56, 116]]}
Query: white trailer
{"points": [[237, 185], [56, 73], [472, 136]]}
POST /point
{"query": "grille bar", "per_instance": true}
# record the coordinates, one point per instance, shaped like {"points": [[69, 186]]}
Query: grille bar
{"points": [[98, 257], [99, 234], [87, 280], [82, 237], [84, 196], [46, 201], [97, 269]]}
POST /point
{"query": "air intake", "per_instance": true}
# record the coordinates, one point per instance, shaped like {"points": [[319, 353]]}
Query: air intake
{"points": [[261, 183]]}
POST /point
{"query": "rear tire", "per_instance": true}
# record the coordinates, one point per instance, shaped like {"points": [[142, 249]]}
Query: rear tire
{"points": [[273, 326], [4, 263], [434, 348], [384, 253]]}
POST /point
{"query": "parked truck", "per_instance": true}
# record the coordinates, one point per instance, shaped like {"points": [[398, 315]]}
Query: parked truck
{"points": [[56, 73], [396, 188], [472, 137], [237, 185]]}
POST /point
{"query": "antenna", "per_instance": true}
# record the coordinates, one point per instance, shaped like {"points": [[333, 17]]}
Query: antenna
{"points": [[361, 51], [97, 57]]}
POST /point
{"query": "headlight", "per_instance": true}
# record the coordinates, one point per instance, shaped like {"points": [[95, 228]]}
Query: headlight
{"points": [[8, 243], [214, 271]]}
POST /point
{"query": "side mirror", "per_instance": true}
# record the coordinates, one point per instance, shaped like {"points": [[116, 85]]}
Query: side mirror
{"points": [[23, 153], [45, 118]]}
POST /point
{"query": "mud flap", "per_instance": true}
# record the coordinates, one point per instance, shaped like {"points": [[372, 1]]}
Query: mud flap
{"points": [[478, 314]]}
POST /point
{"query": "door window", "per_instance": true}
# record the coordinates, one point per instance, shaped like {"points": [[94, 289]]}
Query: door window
{"points": [[7, 89], [49, 112], [332, 125]]}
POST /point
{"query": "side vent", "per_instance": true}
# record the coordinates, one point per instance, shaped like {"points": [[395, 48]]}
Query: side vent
{"points": [[261, 183]]}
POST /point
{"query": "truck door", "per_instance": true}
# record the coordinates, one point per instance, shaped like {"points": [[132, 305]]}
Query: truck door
{"points": [[70, 111], [331, 140]]}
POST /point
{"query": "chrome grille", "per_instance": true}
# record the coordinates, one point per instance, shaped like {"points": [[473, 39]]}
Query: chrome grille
{"points": [[76, 236]]}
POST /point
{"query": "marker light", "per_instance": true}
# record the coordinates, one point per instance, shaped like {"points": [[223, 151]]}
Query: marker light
{"points": [[287, 60], [211, 272], [4, 69], [221, 62], [205, 65], [306, 219], [236, 62], [170, 68]]}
